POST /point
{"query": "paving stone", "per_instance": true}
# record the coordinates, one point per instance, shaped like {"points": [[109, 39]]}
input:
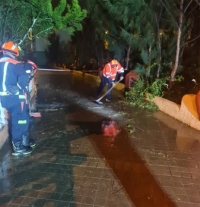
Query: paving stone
{"points": [[74, 165]]}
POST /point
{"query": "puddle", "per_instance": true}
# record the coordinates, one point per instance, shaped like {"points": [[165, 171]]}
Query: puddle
{"points": [[186, 136], [85, 151]]}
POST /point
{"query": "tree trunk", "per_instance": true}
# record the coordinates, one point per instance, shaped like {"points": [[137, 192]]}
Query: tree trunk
{"points": [[160, 54], [159, 41], [127, 57], [173, 73]]}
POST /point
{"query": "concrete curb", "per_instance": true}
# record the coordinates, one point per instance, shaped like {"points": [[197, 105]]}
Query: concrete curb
{"points": [[186, 112]]}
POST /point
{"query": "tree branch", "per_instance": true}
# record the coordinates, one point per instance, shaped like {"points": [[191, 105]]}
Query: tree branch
{"points": [[44, 31], [187, 6], [197, 2], [190, 41], [27, 33], [169, 13]]}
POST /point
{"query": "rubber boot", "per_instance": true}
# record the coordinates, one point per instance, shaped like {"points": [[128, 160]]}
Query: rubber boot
{"points": [[19, 149], [26, 142]]}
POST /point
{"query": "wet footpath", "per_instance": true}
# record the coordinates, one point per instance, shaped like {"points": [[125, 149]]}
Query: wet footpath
{"points": [[149, 159]]}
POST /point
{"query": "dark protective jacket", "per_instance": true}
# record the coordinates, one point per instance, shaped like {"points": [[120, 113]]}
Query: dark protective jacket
{"points": [[13, 76], [13, 82]]}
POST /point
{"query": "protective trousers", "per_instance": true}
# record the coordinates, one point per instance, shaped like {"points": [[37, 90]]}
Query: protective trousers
{"points": [[104, 81], [19, 115]]}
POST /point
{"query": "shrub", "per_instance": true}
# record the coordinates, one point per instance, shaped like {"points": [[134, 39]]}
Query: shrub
{"points": [[137, 96]]}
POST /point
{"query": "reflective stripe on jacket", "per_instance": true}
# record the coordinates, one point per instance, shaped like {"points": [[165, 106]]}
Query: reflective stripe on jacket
{"points": [[12, 73], [6, 61], [110, 72]]}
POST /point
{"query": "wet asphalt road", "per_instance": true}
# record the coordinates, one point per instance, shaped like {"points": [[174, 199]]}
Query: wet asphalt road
{"points": [[148, 164]]}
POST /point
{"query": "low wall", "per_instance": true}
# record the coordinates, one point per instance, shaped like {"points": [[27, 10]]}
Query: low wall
{"points": [[186, 112]]}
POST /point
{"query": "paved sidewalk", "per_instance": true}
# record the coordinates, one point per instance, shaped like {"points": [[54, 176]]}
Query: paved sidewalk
{"points": [[152, 162]]}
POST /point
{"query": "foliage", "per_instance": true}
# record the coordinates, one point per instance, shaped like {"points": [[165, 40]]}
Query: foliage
{"points": [[133, 27], [54, 49], [88, 45], [155, 89], [117, 21], [130, 128], [59, 52], [20, 18], [131, 24], [181, 14], [147, 27], [136, 96], [142, 90]]}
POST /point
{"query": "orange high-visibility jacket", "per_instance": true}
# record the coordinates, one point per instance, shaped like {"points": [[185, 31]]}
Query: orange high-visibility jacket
{"points": [[110, 72]]}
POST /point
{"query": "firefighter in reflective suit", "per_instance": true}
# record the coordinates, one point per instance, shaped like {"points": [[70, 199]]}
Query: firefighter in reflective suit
{"points": [[13, 82]]}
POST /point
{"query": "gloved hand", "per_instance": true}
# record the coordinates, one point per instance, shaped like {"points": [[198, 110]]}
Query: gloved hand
{"points": [[113, 83], [121, 78]]}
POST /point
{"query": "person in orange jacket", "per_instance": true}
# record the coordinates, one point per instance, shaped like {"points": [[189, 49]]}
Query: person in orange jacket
{"points": [[108, 76]]}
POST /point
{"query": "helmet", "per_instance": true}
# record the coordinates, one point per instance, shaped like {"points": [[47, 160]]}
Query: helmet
{"points": [[10, 47], [114, 63]]}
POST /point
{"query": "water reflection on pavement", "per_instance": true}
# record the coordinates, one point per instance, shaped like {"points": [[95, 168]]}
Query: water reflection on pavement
{"points": [[144, 164], [186, 137]]}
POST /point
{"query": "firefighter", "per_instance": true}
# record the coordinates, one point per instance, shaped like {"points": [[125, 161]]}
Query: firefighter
{"points": [[13, 82], [108, 76]]}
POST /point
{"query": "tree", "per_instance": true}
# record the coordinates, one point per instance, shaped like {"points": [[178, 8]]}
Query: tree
{"points": [[128, 25], [20, 17], [54, 49], [110, 19], [152, 29], [181, 21]]}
